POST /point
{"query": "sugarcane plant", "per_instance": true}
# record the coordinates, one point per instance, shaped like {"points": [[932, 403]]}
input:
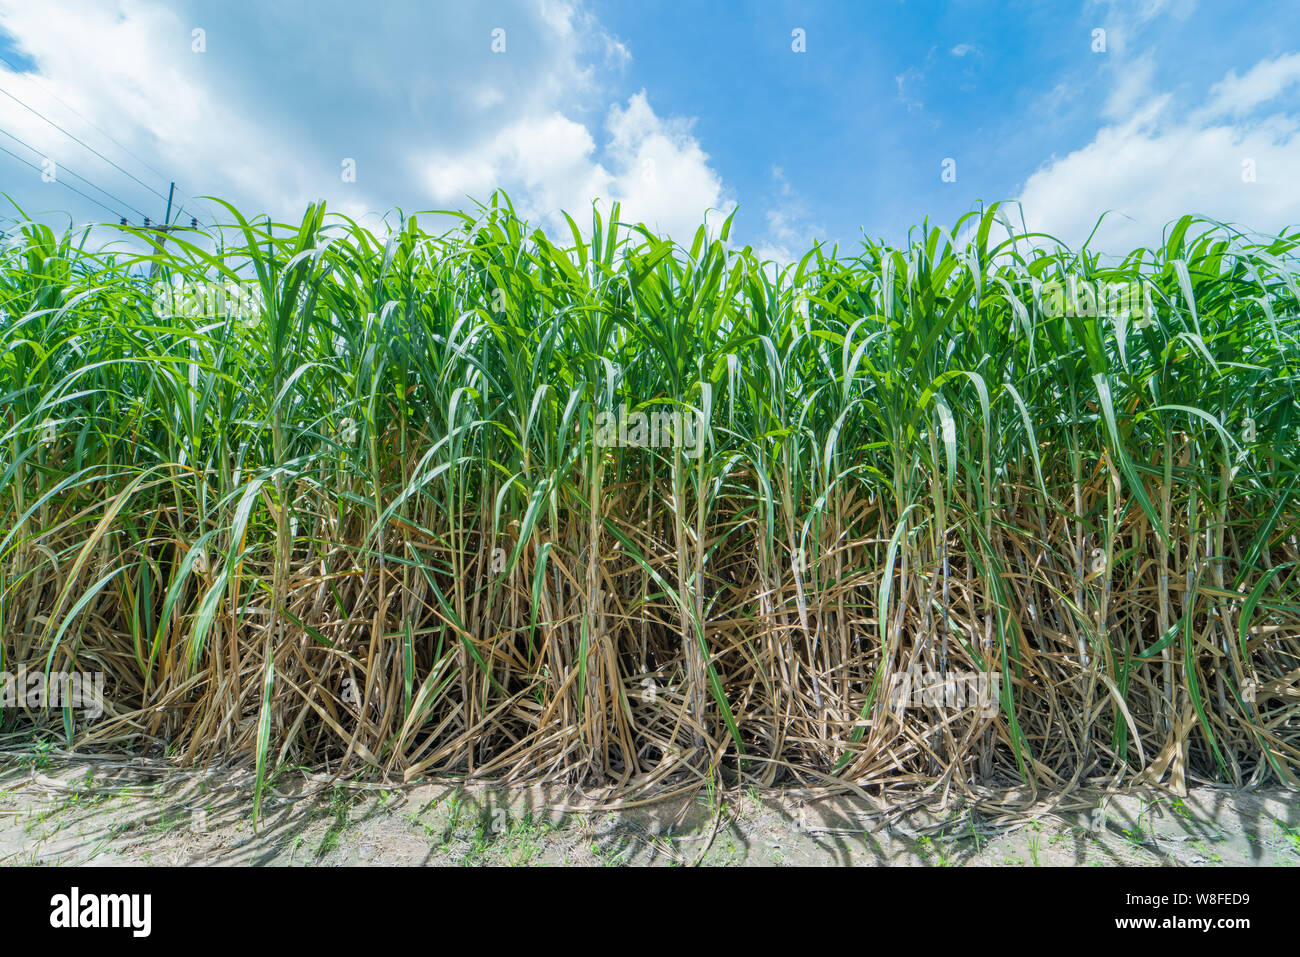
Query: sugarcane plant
{"points": [[599, 507]]}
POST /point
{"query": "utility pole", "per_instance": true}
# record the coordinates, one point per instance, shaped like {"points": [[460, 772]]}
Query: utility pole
{"points": [[158, 245]]}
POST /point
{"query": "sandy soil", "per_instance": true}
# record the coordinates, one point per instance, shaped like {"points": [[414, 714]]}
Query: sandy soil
{"points": [[123, 813]]}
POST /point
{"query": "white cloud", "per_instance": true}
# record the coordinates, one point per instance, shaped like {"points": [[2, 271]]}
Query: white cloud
{"points": [[662, 176], [907, 83], [790, 232], [1236, 95], [1133, 80], [1124, 19], [654, 167], [126, 69], [549, 157], [265, 118], [1156, 165]]}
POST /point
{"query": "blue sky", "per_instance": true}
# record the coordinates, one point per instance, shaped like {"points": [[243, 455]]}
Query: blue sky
{"points": [[670, 107]]}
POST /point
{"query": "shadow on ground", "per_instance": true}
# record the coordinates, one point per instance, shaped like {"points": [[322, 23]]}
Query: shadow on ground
{"points": [[135, 812]]}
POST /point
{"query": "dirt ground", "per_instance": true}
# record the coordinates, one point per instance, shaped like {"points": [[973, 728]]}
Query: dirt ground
{"points": [[125, 813]]}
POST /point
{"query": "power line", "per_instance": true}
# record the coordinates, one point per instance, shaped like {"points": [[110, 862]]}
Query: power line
{"points": [[27, 76], [83, 143], [63, 184], [70, 172], [18, 71], [32, 79]]}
